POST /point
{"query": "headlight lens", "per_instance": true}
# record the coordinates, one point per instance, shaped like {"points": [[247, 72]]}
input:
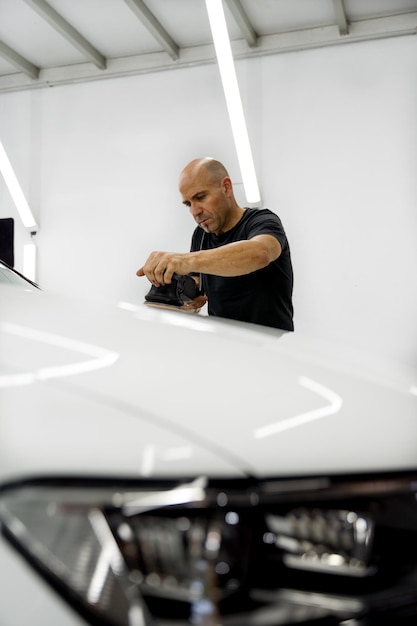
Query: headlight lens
{"points": [[236, 554]]}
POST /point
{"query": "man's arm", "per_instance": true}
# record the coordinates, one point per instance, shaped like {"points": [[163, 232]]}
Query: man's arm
{"points": [[233, 259]]}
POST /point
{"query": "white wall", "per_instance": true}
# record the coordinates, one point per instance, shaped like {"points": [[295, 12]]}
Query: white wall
{"points": [[334, 134]]}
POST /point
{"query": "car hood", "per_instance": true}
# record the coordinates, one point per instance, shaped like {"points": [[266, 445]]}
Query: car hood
{"points": [[92, 389]]}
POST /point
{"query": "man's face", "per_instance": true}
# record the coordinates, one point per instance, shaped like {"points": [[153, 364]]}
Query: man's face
{"points": [[209, 203]]}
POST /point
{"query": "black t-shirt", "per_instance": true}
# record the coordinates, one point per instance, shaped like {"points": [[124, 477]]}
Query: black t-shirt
{"points": [[261, 297]]}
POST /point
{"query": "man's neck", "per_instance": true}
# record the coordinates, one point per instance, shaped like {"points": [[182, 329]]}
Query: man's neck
{"points": [[234, 218]]}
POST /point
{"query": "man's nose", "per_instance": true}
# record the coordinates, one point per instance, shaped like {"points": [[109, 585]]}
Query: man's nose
{"points": [[195, 209]]}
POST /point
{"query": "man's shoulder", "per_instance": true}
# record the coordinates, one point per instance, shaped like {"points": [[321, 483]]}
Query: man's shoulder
{"points": [[255, 212], [261, 215]]}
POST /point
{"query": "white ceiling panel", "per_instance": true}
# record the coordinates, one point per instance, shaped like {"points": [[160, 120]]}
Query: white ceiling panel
{"points": [[275, 16], [47, 42], [109, 25]]}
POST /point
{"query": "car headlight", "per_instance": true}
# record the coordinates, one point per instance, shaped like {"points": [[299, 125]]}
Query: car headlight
{"points": [[236, 553]]}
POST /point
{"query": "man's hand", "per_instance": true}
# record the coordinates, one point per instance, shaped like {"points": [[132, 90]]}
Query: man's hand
{"points": [[233, 259], [160, 266]]}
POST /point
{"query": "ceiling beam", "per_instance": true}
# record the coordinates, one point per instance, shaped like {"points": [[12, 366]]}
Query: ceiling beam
{"points": [[19, 62], [242, 20], [305, 39], [154, 27], [66, 30], [341, 18]]}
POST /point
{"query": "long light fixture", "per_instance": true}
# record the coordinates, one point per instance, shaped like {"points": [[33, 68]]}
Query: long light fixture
{"points": [[16, 192], [226, 65]]}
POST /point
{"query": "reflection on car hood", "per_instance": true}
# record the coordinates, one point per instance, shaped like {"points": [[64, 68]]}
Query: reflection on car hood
{"points": [[136, 391]]}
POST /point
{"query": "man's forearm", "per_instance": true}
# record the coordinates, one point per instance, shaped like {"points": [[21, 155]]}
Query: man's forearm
{"points": [[234, 259]]}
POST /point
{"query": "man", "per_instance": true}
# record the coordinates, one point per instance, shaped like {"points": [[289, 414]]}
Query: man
{"points": [[240, 257]]}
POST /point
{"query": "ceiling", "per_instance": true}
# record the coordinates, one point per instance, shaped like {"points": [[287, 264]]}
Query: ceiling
{"points": [[44, 43]]}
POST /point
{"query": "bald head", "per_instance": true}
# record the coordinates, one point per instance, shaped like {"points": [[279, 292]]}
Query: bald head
{"points": [[205, 168]]}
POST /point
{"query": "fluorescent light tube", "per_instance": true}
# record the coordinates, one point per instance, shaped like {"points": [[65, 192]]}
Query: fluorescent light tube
{"points": [[16, 192], [233, 101]]}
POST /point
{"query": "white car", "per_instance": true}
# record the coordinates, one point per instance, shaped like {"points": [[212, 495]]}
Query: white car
{"points": [[10, 276], [165, 469]]}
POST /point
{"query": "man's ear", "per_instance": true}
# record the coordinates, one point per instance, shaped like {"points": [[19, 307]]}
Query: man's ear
{"points": [[227, 185]]}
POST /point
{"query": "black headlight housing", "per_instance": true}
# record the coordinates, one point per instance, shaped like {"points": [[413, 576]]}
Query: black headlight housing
{"points": [[317, 550]]}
